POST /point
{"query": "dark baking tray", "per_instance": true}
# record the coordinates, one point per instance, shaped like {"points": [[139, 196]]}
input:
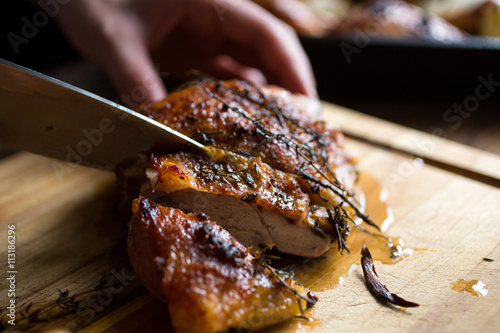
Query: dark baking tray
{"points": [[401, 68]]}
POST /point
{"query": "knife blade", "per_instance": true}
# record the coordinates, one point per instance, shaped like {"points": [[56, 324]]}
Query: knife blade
{"points": [[49, 117]]}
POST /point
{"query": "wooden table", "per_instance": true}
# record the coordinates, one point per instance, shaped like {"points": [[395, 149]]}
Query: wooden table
{"points": [[479, 128], [445, 197]]}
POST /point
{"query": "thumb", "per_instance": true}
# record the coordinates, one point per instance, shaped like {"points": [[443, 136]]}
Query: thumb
{"points": [[132, 71]]}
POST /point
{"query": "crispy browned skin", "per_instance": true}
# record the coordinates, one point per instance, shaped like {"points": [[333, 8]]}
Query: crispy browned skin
{"points": [[258, 205], [270, 123], [248, 179], [209, 280]]}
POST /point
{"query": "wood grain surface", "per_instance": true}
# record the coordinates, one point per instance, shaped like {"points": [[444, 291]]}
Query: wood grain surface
{"points": [[71, 233]]}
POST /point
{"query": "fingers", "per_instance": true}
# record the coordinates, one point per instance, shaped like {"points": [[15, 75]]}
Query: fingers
{"points": [[108, 35], [226, 67], [271, 43], [130, 67], [134, 76]]}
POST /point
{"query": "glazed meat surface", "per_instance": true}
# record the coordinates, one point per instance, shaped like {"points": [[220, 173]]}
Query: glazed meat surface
{"points": [[258, 205], [270, 123], [397, 18], [209, 280], [271, 174], [305, 18], [248, 179]]}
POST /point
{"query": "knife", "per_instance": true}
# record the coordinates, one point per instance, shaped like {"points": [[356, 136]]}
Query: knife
{"points": [[49, 117]]}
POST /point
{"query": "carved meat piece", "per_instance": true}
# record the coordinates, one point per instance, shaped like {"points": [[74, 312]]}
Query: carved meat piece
{"points": [[268, 122], [258, 205], [208, 279]]}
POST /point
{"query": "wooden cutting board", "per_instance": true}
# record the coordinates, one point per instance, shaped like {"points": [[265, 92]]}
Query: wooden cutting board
{"points": [[445, 198]]}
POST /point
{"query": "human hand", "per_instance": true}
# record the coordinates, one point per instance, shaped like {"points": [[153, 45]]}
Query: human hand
{"points": [[135, 39]]}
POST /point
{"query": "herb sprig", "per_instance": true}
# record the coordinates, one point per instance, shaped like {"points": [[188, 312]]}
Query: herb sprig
{"points": [[236, 176], [69, 304], [317, 161]]}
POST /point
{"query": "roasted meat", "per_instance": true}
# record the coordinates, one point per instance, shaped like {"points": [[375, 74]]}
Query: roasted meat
{"points": [[270, 123], [209, 280], [286, 173], [271, 175], [478, 17], [386, 18], [308, 18], [396, 19], [258, 205]]}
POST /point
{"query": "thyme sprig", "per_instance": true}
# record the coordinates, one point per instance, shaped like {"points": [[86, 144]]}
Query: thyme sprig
{"points": [[342, 195], [279, 276], [32, 315], [316, 230], [281, 116], [207, 137], [70, 304], [67, 303], [264, 261], [338, 220], [304, 151], [229, 175], [261, 255]]}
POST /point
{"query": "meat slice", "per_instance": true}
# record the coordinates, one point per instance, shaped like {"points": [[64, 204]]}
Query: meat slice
{"points": [[248, 179], [272, 125], [209, 280], [258, 205]]}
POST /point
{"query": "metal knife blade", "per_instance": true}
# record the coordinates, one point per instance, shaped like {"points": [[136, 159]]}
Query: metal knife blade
{"points": [[49, 117]]}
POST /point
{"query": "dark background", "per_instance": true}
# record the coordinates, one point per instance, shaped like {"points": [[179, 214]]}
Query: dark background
{"points": [[409, 82], [46, 49]]}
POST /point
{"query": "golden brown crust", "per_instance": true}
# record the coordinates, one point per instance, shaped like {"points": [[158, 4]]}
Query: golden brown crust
{"points": [[268, 123], [209, 280], [248, 179]]}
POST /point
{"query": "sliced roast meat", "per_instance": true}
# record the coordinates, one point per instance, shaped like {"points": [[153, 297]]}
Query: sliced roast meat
{"points": [[258, 205], [208, 279]]}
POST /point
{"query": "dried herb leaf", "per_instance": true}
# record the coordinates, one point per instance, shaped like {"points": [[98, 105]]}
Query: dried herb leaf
{"points": [[315, 230], [375, 285], [338, 220], [68, 304], [314, 158], [62, 295], [33, 316], [312, 296], [102, 283]]}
